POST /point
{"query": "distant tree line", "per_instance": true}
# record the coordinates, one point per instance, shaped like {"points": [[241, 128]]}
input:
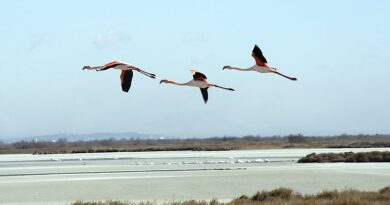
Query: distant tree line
{"points": [[62, 145]]}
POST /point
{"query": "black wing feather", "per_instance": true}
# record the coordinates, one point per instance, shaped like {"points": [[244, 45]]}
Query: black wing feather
{"points": [[111, 66], [198, 75], [259, 54], [126, 81], [204, 94]]}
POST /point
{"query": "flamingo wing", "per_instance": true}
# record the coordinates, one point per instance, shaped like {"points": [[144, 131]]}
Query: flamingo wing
{"points": [[126, 78], [258, 55], [198, 76], [112, 64], [204, 94]]}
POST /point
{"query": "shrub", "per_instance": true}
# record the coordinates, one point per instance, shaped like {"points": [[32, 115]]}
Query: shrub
{"points": [[330, 195], [283, 193], [362, 157], [386, 157], [280, 193], [347, 157], [245, 197], [259, 196], [385, 190]]}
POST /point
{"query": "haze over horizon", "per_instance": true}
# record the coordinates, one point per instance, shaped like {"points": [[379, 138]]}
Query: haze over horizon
{"points": [[339, 51], [127, 135]]}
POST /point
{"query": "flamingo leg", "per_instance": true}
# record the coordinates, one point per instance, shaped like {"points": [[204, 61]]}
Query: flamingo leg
{"points": [[217, 86], [151, 75], [290, 78]]}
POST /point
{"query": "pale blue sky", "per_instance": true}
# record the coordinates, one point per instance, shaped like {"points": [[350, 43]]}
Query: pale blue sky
{"points": [[338, 50]]}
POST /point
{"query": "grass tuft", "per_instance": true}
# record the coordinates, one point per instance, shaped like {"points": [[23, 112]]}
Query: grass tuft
{"points": [[284, 196]]}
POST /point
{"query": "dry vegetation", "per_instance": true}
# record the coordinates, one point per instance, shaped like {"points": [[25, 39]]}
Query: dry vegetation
{"points": [[195, 144], [374, 156], [283, 196]]}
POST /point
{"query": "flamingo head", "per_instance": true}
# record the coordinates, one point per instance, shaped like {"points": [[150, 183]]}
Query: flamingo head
{"points": [[165, 81], [226, 67], [193, 71], [86, 67]]}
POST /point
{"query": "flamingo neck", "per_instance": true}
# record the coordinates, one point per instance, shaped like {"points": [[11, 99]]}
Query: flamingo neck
{"points": [[180, 84], [93, 67], [242, 69]]}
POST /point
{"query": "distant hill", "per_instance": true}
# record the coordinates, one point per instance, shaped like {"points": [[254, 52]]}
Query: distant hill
{"points": [[87, 137]]}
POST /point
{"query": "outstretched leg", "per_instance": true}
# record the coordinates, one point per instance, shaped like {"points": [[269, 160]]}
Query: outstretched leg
{"points": [[151, 75], [231, 89], [290, 78]]}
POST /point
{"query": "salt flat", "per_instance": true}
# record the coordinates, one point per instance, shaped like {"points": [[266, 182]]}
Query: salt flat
{"points": [[168, 176]]}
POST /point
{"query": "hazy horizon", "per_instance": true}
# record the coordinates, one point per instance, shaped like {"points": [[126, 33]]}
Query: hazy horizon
{"points": [[119, 135], [337, 50]]}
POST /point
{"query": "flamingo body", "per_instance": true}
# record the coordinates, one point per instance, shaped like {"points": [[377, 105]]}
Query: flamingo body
{"points": [[117, 65], [262, 69]]}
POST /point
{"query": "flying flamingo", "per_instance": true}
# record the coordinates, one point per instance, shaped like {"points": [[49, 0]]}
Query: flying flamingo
{"points": [[126, 75], [200, 81], [261, 65]]}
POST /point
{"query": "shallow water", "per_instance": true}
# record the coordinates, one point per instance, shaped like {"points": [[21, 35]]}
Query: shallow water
{"points": [[180, 175]]}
